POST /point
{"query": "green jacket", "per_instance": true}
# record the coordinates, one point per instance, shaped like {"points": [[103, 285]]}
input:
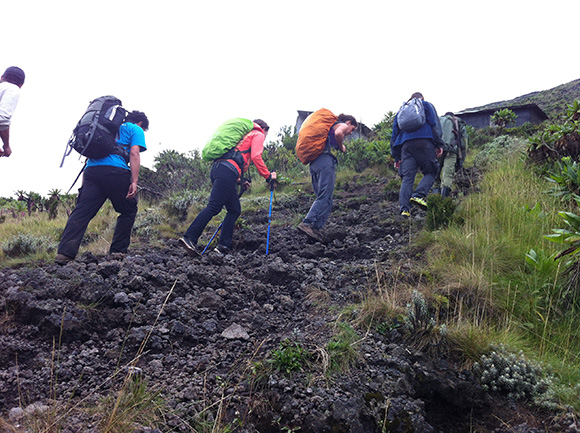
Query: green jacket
{"points": [[454, 136]]}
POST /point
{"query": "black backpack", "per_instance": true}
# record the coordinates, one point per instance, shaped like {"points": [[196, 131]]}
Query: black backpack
{"points": [[94, 135]]}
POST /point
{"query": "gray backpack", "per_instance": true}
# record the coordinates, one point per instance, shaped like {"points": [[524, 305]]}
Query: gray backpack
{"points": [[411, 115]]}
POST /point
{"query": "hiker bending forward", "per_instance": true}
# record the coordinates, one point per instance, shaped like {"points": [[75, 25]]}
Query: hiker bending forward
{"points": [[415, 150], [225, 175], [113, 177], [323, 174]]}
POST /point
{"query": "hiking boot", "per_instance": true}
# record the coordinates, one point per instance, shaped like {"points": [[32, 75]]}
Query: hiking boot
{"points": [[190, 246], [313, 233], [318, 232], [222, 250], [406, 214], [61, 259], [419, 202]]}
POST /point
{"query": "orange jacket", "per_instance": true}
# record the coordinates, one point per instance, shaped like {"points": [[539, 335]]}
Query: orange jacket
{"points": [[251, 147]]}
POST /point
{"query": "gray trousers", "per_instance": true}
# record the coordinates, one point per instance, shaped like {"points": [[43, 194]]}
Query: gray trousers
{"points": [[323, 174]]}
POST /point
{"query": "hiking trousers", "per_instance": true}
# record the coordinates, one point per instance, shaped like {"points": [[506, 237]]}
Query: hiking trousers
{"points": [[99, 184], [445, 177], [323, 174], [224, 192], [416, 154]]}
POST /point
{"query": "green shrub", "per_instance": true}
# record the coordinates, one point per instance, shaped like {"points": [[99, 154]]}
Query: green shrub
{"points": [[503, 372], [498, 150], [361, 154], [178, 203], [440, 211], [146, 221], [289, 357], [565, 178], [24, 244]]}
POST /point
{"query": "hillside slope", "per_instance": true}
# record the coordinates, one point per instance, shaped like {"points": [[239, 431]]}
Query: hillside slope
{"points": [[198, 329], [552, 101]]}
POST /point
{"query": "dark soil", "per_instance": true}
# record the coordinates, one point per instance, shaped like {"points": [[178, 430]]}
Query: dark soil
{"points": [[201, 330]]}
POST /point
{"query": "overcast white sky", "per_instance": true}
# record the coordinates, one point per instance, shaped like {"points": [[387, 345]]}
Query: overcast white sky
{"points": [[190, 65]]}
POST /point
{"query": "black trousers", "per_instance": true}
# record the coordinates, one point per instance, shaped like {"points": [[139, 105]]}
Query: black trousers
{"points": [[223, 193], [100, 184]]}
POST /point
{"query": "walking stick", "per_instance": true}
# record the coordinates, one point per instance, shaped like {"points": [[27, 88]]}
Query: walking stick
{"points": [[214, 234], [272, 183]]}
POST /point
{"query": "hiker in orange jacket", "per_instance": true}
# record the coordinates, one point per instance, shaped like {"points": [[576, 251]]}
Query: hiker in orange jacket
{"points": [[225, 175]]}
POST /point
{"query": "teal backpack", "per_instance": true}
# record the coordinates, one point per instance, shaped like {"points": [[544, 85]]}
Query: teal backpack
{"points": [[226, 137]]}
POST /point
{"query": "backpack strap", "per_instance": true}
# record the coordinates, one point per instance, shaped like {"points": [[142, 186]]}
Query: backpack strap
{"points": [[327, 147]]}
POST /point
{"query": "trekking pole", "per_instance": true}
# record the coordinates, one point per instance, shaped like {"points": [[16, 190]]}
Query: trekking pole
{"points": [[214, 235], [219, 227], [272, 184]]}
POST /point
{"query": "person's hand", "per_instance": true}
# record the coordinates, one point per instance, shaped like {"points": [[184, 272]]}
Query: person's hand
{"points": [[246, 185], [438, 152], [6, 151], [273, 175], [397, 164], [132, 191]]}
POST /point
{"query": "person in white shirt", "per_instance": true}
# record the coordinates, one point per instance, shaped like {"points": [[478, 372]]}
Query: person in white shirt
{"points": [[10, 84]]}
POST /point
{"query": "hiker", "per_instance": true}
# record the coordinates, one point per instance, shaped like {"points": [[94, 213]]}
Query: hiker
{"points": [[454, 149], [417, 149], [323, 174], [113, 177], [225, 175], [10, 84]]}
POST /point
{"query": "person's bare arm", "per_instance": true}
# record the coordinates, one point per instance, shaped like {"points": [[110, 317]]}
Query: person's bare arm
{"points": [[135, 165], [339, 134], [5, 135]]}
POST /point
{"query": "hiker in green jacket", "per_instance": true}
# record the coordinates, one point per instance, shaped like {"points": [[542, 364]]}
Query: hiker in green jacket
{"points": [[454, 149]]}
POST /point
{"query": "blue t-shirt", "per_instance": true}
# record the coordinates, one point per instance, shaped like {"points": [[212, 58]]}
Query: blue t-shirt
{"points": [[129, 135]]}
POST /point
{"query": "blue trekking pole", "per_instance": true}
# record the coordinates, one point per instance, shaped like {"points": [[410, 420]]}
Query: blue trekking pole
{"points": [[272, 183], [214, 235]]}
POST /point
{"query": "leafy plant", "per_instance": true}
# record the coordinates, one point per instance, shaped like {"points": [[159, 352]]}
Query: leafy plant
{"points": [[24, 244], [502, 118], [289, 357], [440, 211], [498, 150], [557, 140], [504, 372], [178, 204], [420, 326]]}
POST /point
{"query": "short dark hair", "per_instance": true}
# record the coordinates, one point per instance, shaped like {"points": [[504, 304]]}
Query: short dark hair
{"points": [[343, 118], [262, 124], [136, 117], [417, 95], [14, 75], [449, 113]]}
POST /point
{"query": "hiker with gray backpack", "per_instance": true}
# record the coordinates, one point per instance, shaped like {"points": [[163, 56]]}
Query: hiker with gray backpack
{"points": [[416, 144], [234, 146]]}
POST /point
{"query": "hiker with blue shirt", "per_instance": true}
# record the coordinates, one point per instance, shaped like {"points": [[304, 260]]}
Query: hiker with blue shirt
{"points": [[113, 177], [417, 149]]}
